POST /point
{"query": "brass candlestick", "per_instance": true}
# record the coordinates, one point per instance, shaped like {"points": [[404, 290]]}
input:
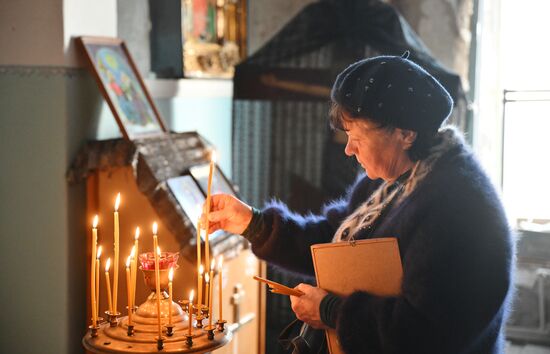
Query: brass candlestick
{"points": [[169, 329], [160, 343], [112, 318], [210, 330], [93, 330], [130, 330], [221, 325], [189, 340], [142, 335]]}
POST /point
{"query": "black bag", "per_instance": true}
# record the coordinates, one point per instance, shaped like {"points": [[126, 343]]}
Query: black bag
{"points": [[303, 339]]}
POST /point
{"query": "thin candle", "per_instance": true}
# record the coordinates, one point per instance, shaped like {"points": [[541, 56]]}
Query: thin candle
{"points": [[108, 285], [199, 289], [199, 240], [132, 271], [210, 314], [170, 278], [209, 293], [117, 251], [134, 266], [99, 249], [206, 287], [129, 289], [208, 201], [156, 251], [93, 269], [220, 280], [190, 328]]}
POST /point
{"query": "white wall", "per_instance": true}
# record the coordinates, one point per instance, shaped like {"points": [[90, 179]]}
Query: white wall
{"points": [[86, 17], [31, 32], [40, 33]]}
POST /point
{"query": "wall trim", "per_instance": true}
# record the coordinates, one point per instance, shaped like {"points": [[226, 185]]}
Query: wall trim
{"points": [[41, 71]]}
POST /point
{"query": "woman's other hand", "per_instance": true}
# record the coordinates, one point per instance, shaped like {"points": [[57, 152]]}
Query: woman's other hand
{"points": [[306, 307], [228, 213]]}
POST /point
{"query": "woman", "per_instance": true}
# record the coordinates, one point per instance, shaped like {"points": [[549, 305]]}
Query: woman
{"points": [[422, 186]]}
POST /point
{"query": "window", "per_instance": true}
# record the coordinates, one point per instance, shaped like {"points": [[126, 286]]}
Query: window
{"points": [[512, 126]]}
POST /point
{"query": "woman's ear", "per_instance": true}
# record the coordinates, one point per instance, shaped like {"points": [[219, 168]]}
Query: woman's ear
{"points": [[408, 137]]}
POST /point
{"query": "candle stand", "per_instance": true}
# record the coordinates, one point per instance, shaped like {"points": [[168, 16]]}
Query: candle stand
{"points": [[116, 336]]}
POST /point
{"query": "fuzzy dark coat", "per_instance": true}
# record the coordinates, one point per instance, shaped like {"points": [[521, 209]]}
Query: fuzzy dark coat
{"points": [[457, 253]]}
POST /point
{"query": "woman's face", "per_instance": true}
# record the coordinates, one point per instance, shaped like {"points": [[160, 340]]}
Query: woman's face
{"points": [[381, 152]]}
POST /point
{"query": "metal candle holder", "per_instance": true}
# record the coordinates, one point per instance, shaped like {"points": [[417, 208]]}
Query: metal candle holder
{"points": [[210, 331], [189, 340], [221, 325], [169, 329], [116, 336], [93, 330], [112, 318], [160, 343]]}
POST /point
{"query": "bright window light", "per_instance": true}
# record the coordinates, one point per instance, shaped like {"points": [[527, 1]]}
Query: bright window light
{"points": [[526, 146]]}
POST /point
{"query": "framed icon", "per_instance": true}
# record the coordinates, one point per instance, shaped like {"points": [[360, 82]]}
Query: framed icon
{"points": [[122, 87]]}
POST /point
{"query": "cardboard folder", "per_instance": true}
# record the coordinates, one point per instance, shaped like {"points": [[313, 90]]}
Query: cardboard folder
{"points": [[372, 265]]}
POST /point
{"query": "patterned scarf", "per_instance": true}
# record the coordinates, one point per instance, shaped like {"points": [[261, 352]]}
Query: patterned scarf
{"points": [[365, 216]]}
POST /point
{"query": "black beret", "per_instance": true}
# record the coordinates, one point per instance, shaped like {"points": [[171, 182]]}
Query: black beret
{"points": [[395, 91]]}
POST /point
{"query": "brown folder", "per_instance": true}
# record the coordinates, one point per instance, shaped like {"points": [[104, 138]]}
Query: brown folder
{"points": [[372, 265]]}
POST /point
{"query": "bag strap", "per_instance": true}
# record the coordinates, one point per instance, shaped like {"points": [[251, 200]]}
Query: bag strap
{"points": [[289, 333]]}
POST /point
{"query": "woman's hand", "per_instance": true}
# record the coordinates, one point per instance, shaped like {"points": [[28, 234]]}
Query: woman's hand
{"points": [[228, 213], [306, 307]]}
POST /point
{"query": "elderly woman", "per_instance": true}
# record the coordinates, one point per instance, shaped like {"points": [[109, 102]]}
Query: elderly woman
{"points": [[422, 186]]}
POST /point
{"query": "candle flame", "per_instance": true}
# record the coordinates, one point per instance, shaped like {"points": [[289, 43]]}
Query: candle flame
{"points": [[137, 233], [220, 263], [107, 265], [117, 202], [201, 269], [158, 250], [155, 228], [213, 156], [206, 278], [99, 249], [128, 261], [95, 222], [133, 251], [212, 265], [171, 274], [191, 295]]}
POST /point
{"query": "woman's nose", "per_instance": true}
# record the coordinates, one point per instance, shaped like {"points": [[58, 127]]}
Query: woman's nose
{"points": [[350, 149]]}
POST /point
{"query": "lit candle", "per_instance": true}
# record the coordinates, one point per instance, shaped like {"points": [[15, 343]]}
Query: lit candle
{"points": [[92, 269], [199, 274], [134, 266], [117, 251], [157, 274], [108, 284], [220, 280], [170, 277], [206, 287], [210, 302], [209, 293], [201, 271], [208, 201], [99, 249], [190, 329], [129, 289], [132, 271]]}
